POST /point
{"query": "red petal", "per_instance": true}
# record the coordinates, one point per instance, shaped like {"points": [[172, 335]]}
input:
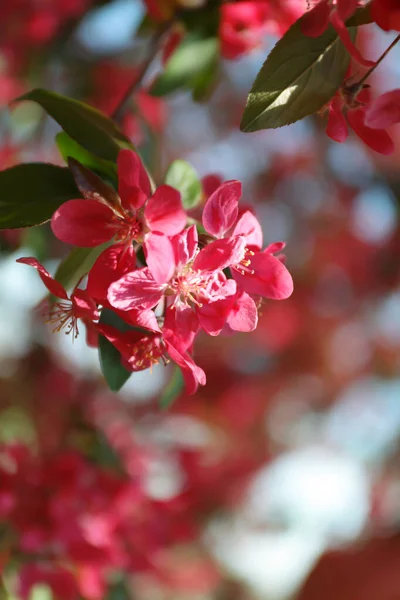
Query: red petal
{"points": [[336, 128], [110, 266], [384, 111], [181, 326], [192, 374], [164, 212], [315, 21], [51, 284], [185, 245], [274, 247], [221, 209], [344, 35], [221, 254], [270, 279], [250, 228], [83, 223], [84, 306], [133, 182], [244, 314], [159, 256], [386, 14], [212, 317], [377, 139], [210, 183], [346, 8], [135, 290]]}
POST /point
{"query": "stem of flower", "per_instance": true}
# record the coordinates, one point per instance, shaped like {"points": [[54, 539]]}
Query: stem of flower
{"points": [[154, 47], [380, 59]]}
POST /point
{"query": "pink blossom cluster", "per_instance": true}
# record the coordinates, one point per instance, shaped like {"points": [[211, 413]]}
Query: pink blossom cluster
{"points": [[158, 274], [72, 524]]}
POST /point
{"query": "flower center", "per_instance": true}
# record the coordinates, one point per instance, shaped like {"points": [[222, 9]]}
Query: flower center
{"points": [[146, 353], [63, 316], [188, 286], [243, 265]]}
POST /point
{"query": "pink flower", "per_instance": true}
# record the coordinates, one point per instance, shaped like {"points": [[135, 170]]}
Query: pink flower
{"points": [[336, 12], [141, 350], [194, 279], [61, 582], [135, 215], [65, 314], [257, 272], [242, 28], [357, 110]]}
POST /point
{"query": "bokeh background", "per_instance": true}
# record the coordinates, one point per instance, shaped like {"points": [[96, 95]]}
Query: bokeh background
{"points": [[278, 480]]}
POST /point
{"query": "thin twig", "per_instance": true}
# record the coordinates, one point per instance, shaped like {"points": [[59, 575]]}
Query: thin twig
{"points": [[154, 47], [380, 59]]}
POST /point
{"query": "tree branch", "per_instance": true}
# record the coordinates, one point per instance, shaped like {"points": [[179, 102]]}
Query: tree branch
{"points": [[154, 48]]}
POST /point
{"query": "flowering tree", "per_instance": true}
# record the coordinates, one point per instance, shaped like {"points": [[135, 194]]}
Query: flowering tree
{"points": [[161, 260]]}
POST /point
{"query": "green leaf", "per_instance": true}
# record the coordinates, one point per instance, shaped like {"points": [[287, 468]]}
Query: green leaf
{"points": [[203, 83], [40, 592], [362, 16], [195, 56], [68, 148], [173, 389], [114, 372], [77, 264], [30, 193], [299, 77], [182, 176], [86, 125]]}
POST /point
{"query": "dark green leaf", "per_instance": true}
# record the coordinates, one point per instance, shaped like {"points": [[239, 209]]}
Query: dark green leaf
{"points": [[182, 176], [203, 83], [114, 372], [86, 125], [77, 264], [30, 193], [194, 56], [70, 149], [299, 77], [173, 389]]}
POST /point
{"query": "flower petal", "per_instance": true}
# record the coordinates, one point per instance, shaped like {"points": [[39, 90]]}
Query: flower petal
{"points": [[133, 182], [185, 245], [51, 284], [180, 326], [336, 128], [111, 265], [344, 35], [243, 315], [377, 139], [315, 21], [346, 8], [164, 212], [135, 290], [221, 254], [160, 256], [386, 14], [270, 278], [84, 306], [192, 374], [83, 223], [249, 227], [221, 209], [213, 316], [384, 111]]}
